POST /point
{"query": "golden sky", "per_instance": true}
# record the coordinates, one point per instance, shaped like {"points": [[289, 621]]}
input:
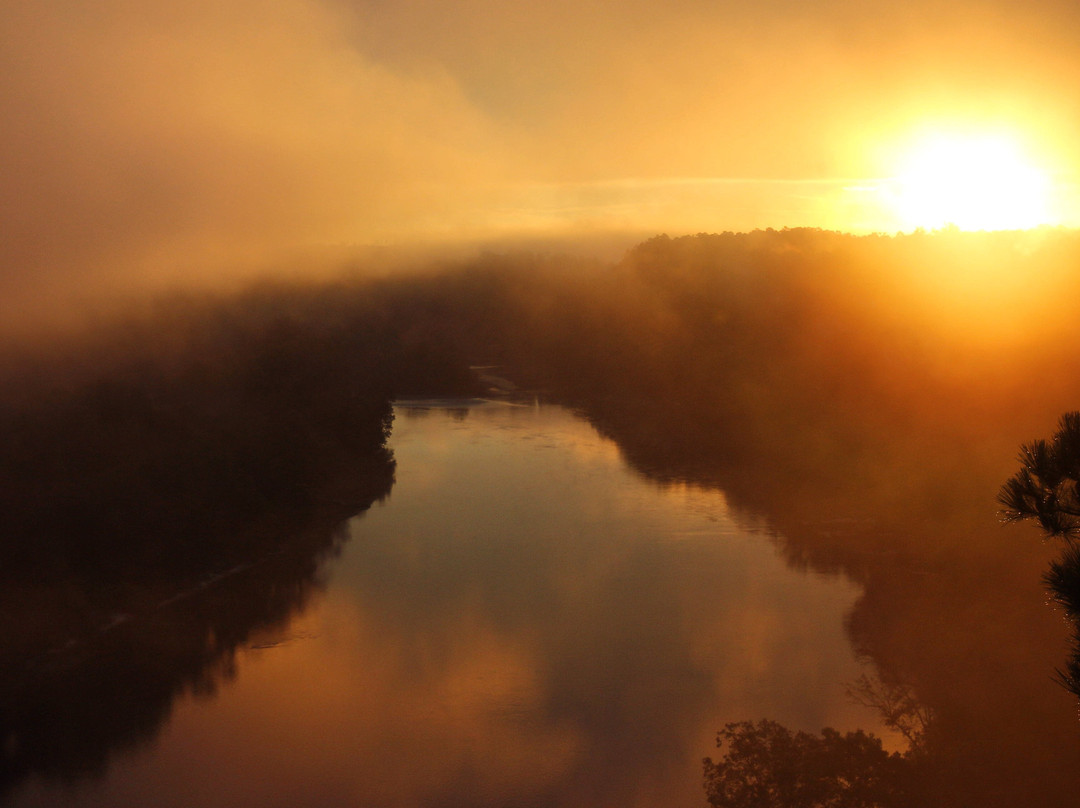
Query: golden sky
{"points": [[171, 133]]}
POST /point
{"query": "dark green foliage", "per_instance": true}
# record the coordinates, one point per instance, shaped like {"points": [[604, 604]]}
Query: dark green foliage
{"points": [[766, 765]]}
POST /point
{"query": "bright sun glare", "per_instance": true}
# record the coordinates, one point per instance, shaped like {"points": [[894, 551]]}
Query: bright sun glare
{"points": [[974, 182]]}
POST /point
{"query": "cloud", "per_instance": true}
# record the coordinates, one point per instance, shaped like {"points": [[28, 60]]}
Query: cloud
{"points": [[145, 141], [778, 89], [153, 139]]}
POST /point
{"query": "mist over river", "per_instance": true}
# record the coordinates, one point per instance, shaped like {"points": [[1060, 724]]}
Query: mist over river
{"points": [[532, 532]]}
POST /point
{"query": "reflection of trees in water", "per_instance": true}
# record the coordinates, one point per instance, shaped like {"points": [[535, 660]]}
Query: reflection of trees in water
{"points": [[869, 437], [898, 707], [1044, 490], [765, 764], [962, 630], [66, 709], [155, 514]]}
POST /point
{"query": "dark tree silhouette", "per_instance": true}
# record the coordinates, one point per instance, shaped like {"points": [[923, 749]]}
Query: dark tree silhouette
{"points": [[1063, 581], [898, 706], [1045, 487], [766, 765]]}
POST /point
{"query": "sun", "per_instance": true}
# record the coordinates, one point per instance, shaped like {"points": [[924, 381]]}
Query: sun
{"points": [[974, 182]]}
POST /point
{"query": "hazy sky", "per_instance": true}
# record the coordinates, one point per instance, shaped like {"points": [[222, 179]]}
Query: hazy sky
{"points": [[163, 134]]}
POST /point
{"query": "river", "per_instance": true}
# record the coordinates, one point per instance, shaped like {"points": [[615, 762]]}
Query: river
{"points": [[523, 620]]}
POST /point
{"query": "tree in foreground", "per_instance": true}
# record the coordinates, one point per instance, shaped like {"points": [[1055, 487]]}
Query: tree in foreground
{"points": [[1045, 487], [1045, 490]]}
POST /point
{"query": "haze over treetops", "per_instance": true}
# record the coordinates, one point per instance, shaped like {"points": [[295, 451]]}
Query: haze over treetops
{"points": [[158, 139]]}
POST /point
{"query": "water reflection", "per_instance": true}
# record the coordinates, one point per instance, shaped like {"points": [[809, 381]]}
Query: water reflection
{"points": [[951, 606], [508, 629], [524, 622], [765, 763], [149, 528], [573, 635]]}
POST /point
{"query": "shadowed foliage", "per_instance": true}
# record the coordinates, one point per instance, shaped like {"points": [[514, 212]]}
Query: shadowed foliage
{"points": [[766, 765], [1063, 581], [1045, 487], [1045, 490], [166, 501]]}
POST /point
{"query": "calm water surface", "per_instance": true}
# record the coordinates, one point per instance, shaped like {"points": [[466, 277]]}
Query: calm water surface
{"points": [[524, 621]]}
